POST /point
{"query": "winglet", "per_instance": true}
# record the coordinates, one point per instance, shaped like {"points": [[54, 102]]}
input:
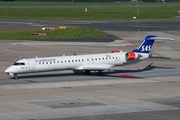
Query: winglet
{"points": [[147, 67]]}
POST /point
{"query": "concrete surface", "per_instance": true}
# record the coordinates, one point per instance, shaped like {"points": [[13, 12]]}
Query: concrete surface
{"points": [[153, 94]]}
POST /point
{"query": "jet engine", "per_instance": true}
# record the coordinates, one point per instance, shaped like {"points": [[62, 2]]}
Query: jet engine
{"points": [[132, 56]]}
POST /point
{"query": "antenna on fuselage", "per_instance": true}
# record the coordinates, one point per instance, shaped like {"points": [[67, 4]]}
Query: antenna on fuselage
{"points": [[63, 55], [20, 57], [36, 56]]}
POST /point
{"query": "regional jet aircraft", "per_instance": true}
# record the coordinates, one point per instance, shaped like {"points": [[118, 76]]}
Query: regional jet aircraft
{"points": [[86, 63]]}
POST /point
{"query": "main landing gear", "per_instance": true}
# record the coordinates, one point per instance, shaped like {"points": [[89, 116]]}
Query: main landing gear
{"points": [[88, 72], [100, 73]]}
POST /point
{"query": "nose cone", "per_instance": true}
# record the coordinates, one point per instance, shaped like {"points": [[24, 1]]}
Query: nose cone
{"points": [[10, 70]]}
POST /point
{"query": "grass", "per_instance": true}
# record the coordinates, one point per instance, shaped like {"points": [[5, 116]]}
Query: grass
{"points": [[1, 24], [75, 11], [96, 11], [62, 34]]}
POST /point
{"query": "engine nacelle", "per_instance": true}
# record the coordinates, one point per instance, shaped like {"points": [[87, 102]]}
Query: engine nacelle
{"points": [[116, 51], [132, 56]]}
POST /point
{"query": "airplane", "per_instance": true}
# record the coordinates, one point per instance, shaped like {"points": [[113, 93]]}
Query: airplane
{"points": [[86, 63]]}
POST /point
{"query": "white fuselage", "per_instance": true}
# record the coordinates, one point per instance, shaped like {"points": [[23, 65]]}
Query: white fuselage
{"points": [[76, 62]]}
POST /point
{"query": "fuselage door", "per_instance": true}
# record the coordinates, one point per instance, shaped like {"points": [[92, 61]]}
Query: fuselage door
{"points": [[31, 64]]}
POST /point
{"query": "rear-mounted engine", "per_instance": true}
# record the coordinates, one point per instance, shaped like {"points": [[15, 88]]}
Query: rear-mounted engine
{"points": [[132, 56]]}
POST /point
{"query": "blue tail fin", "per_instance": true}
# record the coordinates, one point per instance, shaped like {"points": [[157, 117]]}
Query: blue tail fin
{"points": [[146, 45]]}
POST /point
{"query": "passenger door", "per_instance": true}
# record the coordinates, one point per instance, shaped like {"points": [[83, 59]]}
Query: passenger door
{"points": [[31, 64]]}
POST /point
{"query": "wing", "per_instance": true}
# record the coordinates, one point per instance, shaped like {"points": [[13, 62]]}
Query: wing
{"points": [[117, 69]]}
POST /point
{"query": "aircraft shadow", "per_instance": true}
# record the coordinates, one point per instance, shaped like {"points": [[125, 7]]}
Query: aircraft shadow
{"points": [[159, 57], [45, 75], [105, 73]]}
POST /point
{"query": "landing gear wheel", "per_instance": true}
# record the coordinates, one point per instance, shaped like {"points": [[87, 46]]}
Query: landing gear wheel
{"points": [[100, 73], [15, 76], [87, 72]]}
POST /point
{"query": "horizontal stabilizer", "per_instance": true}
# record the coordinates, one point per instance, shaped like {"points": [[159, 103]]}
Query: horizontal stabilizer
{"points": [[160, 38]]}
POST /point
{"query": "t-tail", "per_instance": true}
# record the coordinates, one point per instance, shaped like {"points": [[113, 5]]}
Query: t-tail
{"points": [[147, 44]]}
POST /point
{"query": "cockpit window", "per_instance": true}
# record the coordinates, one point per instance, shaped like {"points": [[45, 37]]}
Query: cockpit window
{"points": [[17, 63], [21, 63]]}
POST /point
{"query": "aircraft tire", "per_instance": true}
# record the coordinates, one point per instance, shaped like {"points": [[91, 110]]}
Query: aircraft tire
{"points": [[100, 73], [15, 76], [87, 72]]}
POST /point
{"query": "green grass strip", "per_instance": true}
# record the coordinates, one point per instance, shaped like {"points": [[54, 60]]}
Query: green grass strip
{"points": [[96, 11], [59, 34]]}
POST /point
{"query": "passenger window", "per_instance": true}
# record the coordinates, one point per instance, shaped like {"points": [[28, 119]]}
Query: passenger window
{"points": [[76, 60], [82, 59], [61, 61], [79, 60], [72, 60], [68, 60]]}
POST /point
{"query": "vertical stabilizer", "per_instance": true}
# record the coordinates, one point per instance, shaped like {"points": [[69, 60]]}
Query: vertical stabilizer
{"points": [[146, 45]]}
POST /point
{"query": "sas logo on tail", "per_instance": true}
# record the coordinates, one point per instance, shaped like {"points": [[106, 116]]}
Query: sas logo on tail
{"points": [[146, 48]]}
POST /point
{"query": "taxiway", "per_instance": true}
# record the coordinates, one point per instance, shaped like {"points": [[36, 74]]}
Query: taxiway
{"points": [[152, 94]]}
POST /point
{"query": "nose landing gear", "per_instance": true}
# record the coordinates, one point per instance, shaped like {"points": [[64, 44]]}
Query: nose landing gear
{"points": [[14, 75]]}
